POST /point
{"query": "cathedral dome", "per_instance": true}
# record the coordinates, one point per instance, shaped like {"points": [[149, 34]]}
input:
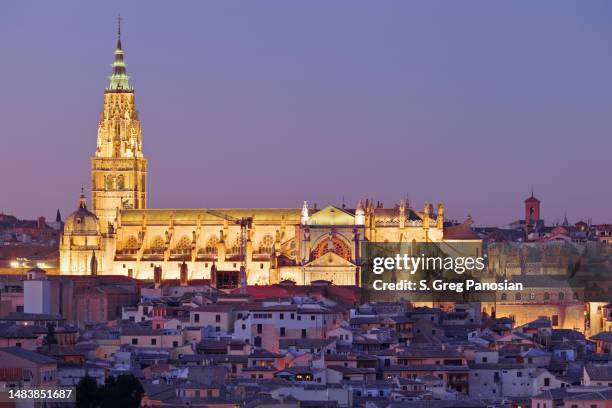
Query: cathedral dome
{"points": [[82, 221]]}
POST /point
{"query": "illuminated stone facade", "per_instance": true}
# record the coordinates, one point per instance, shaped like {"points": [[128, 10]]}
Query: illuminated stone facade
{"points": [[300, 244]]}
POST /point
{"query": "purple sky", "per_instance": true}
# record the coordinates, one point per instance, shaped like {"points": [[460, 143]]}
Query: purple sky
{"points": [[267, 104]]}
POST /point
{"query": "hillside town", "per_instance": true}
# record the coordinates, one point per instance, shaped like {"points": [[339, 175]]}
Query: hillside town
{"points": [[194, 342], [190, 344]]}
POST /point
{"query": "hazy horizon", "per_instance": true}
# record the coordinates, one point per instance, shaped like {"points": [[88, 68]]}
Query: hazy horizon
{"points": [[270, 104]]}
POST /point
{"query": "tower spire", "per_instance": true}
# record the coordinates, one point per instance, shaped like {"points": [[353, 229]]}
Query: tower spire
{"points": [[119, 78], [82, 200]]}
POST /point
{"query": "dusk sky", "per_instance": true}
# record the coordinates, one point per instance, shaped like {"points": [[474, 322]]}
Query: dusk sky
{"points": [[269, 103]]}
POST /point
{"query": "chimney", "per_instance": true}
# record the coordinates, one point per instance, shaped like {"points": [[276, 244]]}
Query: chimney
{"points": [[183, 273], [157, 276]]}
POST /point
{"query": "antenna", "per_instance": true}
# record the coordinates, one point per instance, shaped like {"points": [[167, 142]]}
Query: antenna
{"points": [[119, 26]]}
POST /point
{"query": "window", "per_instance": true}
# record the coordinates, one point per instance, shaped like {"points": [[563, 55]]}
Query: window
{"points": [[519, 374], [282, 332], [217, 318], [196, 317], [134, 341], [532, 296], [281, 316], [484, 359], [517, 296], [312, 317], [561, 295], [547, 382], [153, 342], [546, 296], [504, 296], [211, 246], [265, 245], [259, 329], [292, 315], [175, 343], [555, 320], [303, 333]]}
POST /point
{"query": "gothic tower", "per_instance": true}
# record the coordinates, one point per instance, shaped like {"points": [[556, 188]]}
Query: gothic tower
{"points": [[118, 167]]}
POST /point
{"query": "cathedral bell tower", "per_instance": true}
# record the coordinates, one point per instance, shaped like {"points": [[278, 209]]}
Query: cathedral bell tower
{"points": [[118, 166]]}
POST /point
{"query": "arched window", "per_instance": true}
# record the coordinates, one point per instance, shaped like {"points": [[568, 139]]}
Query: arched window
{"points": [[120, 182], [109, 182], [183, 246], [211, 245], [504, 296], [157, 246], [546, 296], [517, 296], [131, 245], [340, 248], [235, 249], [561, 295], [265, 245]]}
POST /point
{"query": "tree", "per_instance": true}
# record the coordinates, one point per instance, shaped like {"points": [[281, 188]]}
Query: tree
{"points": [[125, 391], [87, 393], [50, 338]]}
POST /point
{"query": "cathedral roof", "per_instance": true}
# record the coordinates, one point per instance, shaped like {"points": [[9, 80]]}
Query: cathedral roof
{"points": [[186, 216]]}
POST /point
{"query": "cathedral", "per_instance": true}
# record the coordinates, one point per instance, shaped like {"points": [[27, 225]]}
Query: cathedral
{"points": [[117, 234]]}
